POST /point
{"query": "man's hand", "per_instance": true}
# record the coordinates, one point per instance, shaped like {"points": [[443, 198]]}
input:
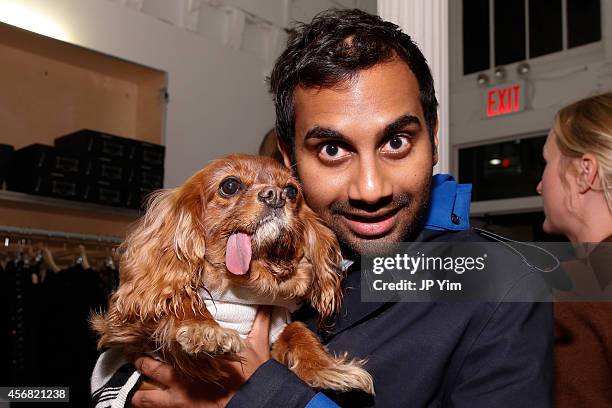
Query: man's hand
{"points": [[164, 388]]}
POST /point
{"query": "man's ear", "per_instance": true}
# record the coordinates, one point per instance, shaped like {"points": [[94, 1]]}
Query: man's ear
{"points": [[587, 177], [434, 146], [282, 147]]}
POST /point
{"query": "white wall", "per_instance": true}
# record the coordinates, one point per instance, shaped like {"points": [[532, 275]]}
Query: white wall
{"points": [[216, 53], [554, 81], [427, 25], [549, 89]]}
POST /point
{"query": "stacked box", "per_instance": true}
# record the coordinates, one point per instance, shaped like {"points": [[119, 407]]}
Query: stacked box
{"points": [[120, 170], [90, 166], [6, 158], [39, 169]]}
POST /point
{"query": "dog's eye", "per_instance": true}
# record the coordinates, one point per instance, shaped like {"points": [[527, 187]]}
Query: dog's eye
{"points": [[229, 187], [291, 191]]}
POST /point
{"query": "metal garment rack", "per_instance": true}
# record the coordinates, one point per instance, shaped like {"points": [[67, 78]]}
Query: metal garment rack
{"points": [[102, 239]]}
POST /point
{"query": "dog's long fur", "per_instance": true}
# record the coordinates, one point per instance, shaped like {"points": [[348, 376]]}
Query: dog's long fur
{"points": [[179, 247]]}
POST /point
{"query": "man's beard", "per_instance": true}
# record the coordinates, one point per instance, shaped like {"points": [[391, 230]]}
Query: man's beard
{"points": [[353, 249]]}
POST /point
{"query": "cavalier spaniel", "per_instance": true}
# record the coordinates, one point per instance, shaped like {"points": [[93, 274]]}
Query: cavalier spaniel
{"points": [[236, 235]]}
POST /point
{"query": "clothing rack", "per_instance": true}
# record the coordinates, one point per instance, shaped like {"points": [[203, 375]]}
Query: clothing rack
{"points": [[102, 239], [42, 299]]}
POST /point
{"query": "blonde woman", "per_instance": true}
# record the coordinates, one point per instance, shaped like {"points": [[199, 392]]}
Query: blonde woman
{"points": [[576, 188]]}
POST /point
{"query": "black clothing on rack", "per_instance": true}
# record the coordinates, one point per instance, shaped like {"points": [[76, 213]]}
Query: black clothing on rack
{"points": [[44, 326]]}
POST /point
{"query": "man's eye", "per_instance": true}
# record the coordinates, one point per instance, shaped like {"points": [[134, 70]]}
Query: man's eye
{"points": [[396, 144], [332, 151]]}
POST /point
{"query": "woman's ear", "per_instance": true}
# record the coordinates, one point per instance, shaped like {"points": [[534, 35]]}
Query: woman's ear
{"points": [[587, 177]]}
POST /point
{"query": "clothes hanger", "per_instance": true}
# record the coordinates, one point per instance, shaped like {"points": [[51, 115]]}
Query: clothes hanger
{"points": [[48, 258], [110, 259], [38, 259], [4, 253], [19, 250], [83, 257]]}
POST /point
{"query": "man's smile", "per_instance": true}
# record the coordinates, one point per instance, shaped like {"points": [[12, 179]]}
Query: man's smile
{"points": [[371, 225]]}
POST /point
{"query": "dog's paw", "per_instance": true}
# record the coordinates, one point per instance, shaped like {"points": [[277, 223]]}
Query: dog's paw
{"points": [[341, 375], [209, 339]]}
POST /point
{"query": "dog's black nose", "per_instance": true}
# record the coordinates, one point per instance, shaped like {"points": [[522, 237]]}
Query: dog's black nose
{"points": [[272, 196]]}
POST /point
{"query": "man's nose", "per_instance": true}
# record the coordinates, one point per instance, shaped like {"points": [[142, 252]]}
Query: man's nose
{"points": [[272, 196], [370, 182]]}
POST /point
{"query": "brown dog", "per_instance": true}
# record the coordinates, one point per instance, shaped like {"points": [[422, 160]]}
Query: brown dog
{"points": [[237, 234]]}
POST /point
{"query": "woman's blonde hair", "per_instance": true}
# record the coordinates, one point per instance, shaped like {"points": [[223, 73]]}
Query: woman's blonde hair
{"points": [[585, 126]]}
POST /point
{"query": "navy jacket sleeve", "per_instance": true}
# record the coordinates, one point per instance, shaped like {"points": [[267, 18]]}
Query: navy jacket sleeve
{"points": [[510, 363], [272, 385]]}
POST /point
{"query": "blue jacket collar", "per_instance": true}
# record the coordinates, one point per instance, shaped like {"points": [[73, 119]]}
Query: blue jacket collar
{"points": [[449, 208]]}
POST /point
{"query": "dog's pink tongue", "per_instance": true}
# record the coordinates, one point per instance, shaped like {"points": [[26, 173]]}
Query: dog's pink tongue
{"points": [[238, 253]]}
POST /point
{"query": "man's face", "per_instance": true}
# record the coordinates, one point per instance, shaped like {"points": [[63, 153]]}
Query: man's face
{"points": [[363, 154]]}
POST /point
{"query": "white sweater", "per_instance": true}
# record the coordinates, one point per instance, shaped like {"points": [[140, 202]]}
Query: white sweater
{"points": [[235, 308]]}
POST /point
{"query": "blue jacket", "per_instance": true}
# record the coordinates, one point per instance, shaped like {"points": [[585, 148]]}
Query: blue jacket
{"points": [[492, 354]]}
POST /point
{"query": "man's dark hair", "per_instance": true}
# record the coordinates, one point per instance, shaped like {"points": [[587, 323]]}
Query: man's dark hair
{"points": [[332, 49]]}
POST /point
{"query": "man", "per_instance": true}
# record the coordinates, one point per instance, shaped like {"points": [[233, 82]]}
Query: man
{"points": [[357, 121]]}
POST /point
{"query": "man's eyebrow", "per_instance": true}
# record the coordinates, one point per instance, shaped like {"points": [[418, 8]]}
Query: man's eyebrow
{"points": [[402, 122], [319, 132]]}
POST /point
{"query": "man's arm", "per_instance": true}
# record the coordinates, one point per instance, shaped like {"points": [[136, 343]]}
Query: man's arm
{"points": [[114, 382], [272, 385], [510, 363]]}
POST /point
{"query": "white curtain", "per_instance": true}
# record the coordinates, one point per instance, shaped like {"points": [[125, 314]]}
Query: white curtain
{"points": [[426, 22]]}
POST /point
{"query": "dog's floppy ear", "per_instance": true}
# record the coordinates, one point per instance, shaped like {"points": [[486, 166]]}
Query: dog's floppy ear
{"points": [[163, 256], [323, 251]]}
